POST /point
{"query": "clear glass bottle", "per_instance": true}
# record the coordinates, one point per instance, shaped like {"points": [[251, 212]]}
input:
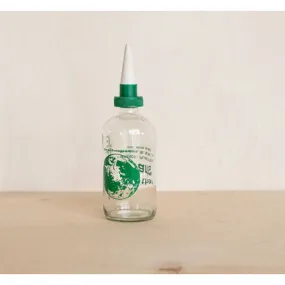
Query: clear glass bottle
{"points": [[129, 146]]}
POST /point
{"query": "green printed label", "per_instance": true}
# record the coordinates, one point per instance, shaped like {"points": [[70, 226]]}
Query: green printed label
{"points": [[121, 176], [126, 169]]}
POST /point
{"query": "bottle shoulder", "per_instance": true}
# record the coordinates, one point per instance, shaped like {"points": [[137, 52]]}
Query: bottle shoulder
{"points": [[128, 121]]}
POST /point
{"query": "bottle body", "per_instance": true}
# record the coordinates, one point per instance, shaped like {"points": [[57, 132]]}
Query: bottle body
{"points": [[129, 168]]}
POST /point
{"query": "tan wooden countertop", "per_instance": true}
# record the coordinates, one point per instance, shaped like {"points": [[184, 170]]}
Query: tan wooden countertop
{"points": [[193, 232]]}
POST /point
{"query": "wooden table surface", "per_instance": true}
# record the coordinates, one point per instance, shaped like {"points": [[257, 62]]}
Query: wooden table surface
{"points": [[193, 232]]}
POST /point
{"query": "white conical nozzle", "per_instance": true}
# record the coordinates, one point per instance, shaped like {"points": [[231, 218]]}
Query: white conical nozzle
{"points": [[128, 74]]}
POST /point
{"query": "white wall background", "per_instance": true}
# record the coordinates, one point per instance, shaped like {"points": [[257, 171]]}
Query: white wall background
{"points": [[213, 85]]}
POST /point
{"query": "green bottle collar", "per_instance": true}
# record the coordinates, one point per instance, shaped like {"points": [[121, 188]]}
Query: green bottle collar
{"points": [[128, 97]]}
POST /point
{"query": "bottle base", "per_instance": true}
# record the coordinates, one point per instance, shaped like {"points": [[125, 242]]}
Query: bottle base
{"points": [[130, 215]]}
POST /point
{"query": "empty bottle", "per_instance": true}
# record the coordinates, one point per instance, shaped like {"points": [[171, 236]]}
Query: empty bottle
{"points": [[129, 146]]}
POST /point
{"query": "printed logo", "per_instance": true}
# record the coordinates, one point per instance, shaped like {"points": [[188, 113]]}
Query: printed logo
{"points": [[121, 176]]}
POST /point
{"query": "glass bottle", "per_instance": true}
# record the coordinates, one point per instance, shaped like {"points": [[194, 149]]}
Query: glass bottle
{"points": [[129, 147]]}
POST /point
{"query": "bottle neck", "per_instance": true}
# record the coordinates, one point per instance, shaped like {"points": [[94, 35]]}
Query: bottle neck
{"points": [[128, 110]]}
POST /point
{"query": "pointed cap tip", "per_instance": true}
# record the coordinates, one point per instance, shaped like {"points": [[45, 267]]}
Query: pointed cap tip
{"points": [[128, 47], [128, 74]]}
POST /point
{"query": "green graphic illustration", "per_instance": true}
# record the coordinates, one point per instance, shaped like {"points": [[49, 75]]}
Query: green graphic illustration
{"points": [[121, 176]]}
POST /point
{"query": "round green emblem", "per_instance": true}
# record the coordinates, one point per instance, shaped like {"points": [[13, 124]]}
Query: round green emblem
{"points": [[121, 176]]}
